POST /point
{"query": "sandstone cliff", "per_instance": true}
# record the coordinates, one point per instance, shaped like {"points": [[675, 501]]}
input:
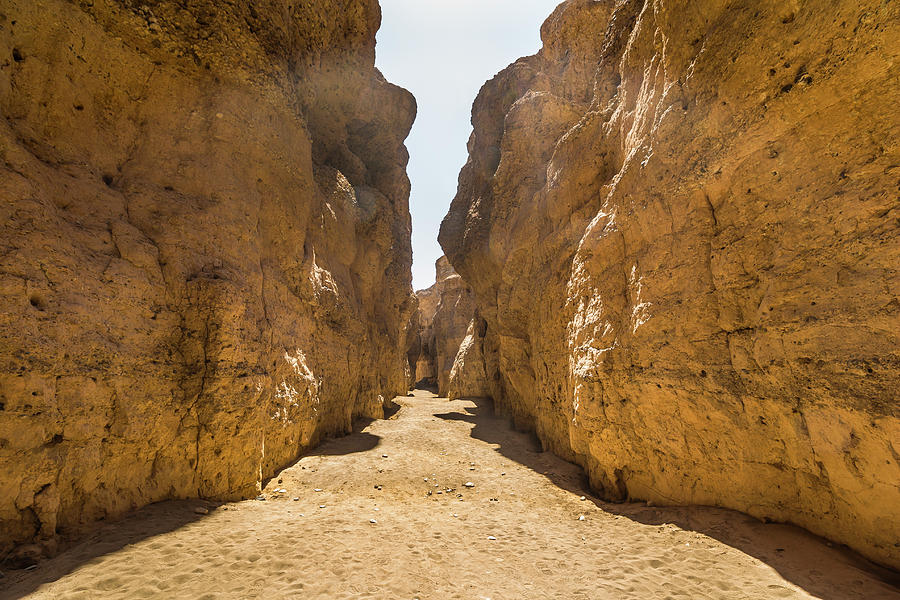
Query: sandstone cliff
{"points": [[445, 311], [681, 224], [205, 257]]}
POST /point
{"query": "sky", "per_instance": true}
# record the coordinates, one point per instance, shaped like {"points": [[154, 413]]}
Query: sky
{"points": [[443, 51]]}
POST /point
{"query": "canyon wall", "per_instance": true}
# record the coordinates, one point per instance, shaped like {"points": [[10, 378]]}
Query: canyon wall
{"points": [[445, 310], [681, 224], [205, 255]]}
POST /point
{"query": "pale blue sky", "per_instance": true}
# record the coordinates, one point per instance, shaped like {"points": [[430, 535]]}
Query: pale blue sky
{"points": [[443, 51]]}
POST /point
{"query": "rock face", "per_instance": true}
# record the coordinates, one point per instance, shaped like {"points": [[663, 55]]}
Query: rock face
{"points": [[205, 256], [445, 311], [468, 378], [681, 224]]}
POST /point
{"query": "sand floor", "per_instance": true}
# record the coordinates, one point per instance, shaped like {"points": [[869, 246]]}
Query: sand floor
{"points": [[384, 513]]}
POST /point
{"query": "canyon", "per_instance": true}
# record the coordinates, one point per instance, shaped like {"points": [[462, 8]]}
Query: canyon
{"points": [[672, 257], [705, 194], [205, 257]]}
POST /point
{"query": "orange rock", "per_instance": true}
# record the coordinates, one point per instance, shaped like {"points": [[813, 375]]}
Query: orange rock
{"points": [[679, 221]]}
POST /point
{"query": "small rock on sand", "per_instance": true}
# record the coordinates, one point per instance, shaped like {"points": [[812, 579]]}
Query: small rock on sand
{"points": [[469, 484], [201, 511]]}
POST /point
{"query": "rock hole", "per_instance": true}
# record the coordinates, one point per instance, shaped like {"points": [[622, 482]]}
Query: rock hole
{"points": [[703, 373], [108, 179], [17, 55], [79, 107], [789, 18], [56, 440], [37, 301], [787, 88]]}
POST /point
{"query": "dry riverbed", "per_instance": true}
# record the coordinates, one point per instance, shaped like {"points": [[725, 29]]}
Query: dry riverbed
{"points": [[443, 500]]}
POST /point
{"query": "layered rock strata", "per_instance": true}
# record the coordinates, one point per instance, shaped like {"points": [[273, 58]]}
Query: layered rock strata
{"points": [[445, 312], [681, 224], [204, 257]]}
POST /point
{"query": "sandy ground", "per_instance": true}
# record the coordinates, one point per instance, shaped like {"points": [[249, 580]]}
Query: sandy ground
{"points": [[385, 513]]}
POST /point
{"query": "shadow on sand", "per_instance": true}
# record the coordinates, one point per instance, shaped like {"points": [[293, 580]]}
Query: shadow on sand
{"points": [[150, 521], [160, 518], [810, 565]]}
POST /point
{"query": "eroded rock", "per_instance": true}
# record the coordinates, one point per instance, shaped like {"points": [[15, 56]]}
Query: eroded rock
{"points": [[680, 224], [445, 311], [205, 251]]}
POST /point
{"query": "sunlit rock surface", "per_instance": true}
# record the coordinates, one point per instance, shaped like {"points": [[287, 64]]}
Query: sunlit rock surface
{"points": [[204, 257], [445, 311], [681, 224]]}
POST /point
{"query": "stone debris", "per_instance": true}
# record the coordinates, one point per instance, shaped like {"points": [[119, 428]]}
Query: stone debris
{"points": [[490, 537], [201, 511], [469, 484], [581, 517], [260, 497], [373, 521]]}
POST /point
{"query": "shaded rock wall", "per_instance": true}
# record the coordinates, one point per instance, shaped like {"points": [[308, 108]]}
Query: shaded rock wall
{"points": [[205, 256], [681, 224], [445, 310]]}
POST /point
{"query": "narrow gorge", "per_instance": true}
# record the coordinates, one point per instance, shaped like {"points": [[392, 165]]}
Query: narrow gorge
{"points": [[661, 350]]}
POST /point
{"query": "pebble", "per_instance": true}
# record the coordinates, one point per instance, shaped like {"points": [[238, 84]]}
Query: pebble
{"points": [[317, 490], [201, 511], [581, 517], [31, 567], [469, 484], [490, 537], [260, 497], [384, 456], [372, 521], [321, 506], [582, 498], [296, 499]]}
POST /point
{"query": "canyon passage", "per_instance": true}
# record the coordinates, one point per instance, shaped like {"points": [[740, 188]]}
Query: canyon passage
{"points": [[665, 335], [385, 513]]}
